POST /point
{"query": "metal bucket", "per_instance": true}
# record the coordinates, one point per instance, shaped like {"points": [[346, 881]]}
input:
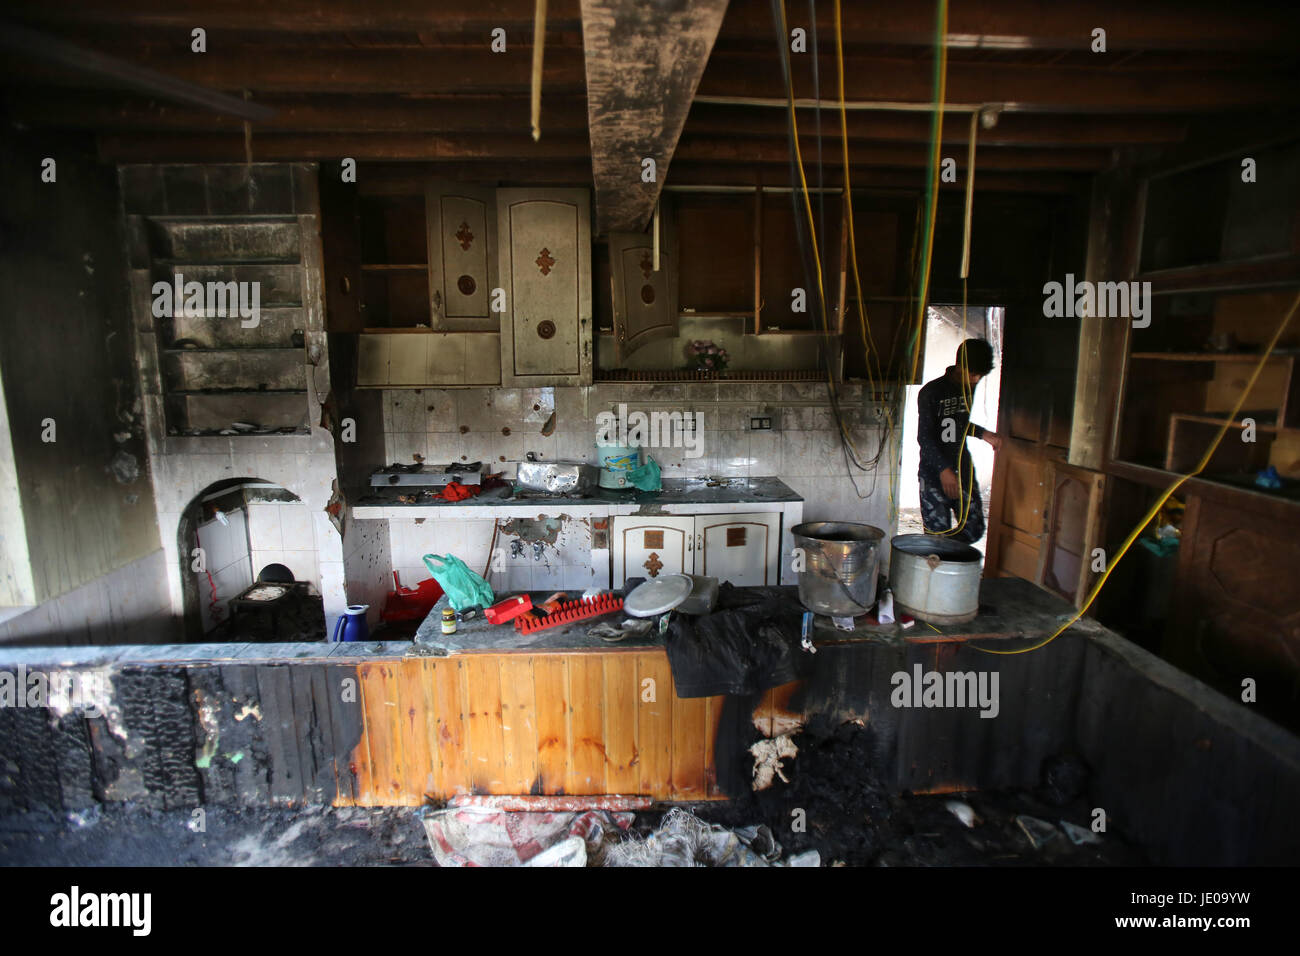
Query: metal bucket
{"points": [[841, 562], [934, 578]]}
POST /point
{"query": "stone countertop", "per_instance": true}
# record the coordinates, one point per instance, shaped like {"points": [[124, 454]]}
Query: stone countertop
{"points": [[1010, 608], [675, 491]]}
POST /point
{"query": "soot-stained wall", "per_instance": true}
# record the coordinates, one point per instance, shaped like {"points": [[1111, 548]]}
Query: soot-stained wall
{"points": [[67, 357]]}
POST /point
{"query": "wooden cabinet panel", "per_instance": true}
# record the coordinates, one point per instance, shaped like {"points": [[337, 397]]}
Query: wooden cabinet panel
{"points": [[462, 225], [645, 300], [420, 359], [1235, 609], [740, 548], [545, 263], [650, 546]]}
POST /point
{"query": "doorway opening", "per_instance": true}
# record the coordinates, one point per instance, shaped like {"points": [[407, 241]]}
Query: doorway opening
{"points": [[945, 329], [249, 565]]}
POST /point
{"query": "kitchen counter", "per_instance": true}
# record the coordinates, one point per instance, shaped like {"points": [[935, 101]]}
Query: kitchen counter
{"points": [[1010, 608], [678, 495]]}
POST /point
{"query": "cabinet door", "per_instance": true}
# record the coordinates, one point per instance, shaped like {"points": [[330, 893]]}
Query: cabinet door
{"points": [[645, 300], [646, 547], [741, 548], [462, 223], [545, 263]]}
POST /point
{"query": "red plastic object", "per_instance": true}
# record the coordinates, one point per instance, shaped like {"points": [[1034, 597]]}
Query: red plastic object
{"points": [[571, 611], [510, 608], [411, 604]]}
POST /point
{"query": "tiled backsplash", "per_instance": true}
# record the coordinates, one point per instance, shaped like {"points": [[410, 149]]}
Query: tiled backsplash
{"points": [[802, 448], [500, 426]]}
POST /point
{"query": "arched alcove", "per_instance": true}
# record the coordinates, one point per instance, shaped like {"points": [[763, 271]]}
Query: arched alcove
{"points": [[239, 532]]}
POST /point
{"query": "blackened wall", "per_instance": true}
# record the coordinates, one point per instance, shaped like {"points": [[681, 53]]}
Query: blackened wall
{"points": [[67, 354]]}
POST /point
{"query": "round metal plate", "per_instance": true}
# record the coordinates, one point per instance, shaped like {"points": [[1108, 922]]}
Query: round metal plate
{"points": [[658, 596]]}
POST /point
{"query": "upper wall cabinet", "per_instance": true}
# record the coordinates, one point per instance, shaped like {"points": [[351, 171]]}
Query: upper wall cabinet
{"points": [[462, 224], [544, 240], [645, 300]]}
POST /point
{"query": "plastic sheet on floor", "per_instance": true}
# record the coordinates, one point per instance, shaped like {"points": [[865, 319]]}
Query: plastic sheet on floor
{"points": [[682, 839], [483, 836]]}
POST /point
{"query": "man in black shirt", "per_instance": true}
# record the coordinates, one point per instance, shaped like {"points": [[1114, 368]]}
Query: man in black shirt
{"points": [[948, 484]]}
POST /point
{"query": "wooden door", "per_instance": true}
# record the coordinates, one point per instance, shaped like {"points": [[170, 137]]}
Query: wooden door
{"points": [[1073, 531], [645, 300], [545, 262], [740, 548], [1034, 417], [462, 223], [646, 547]]}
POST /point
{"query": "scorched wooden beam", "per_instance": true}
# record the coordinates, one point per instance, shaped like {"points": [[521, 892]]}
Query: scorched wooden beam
{"points": [[644, 62]]}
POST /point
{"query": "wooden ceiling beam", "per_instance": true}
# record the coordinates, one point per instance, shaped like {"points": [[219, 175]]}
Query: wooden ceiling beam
{"points": [[748, 76], [487, 114], [1013, 86], [644, 62], [776, 151], [1041, 24], [48, 52], [304, 16], [408, 179], [993, 24], [299, 70], [566, 114], [519, 148]]}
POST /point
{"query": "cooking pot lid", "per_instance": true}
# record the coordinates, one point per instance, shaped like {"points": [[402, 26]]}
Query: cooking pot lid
{"points": [[658, 595]]}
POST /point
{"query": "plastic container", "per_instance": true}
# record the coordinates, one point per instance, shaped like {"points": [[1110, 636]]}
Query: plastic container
{"points": [[411, 604], [703, 597]]}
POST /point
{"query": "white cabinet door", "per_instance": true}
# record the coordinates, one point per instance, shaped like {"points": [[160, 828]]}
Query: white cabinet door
{"points": [[648, 546], [741, 548], [544, 241], [462, 223]]}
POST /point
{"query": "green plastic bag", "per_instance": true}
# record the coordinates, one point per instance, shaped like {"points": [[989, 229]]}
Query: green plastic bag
{"points": [[646, 478], [464, 588]]}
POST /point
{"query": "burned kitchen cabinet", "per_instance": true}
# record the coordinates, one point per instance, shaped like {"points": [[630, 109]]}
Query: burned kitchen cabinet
{"points": [[648, 546], [645, 298], [462, 226], [743, 549], [544, 243]]}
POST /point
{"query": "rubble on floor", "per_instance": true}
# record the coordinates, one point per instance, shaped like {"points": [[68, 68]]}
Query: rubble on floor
{"points": [[833, 803]]}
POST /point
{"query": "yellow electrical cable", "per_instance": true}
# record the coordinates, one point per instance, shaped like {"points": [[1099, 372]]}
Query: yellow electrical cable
{"points": [[942, 53], [1169, 492], [812, 230]]}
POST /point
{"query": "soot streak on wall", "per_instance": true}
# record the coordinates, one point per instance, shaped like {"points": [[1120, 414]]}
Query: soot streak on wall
{"points": [[66, 352]]}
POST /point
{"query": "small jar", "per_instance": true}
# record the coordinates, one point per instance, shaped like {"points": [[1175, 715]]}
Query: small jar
{"points": [[448, 621]]}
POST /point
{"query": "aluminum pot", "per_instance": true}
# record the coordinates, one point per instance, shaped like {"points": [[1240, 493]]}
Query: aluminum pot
{"points": [[841, 562], [934, 578]]}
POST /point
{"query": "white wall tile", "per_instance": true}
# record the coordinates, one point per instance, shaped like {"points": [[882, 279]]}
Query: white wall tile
{"points": [[296, 528]]}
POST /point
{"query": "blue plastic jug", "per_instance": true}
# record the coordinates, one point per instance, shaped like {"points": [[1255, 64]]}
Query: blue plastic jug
{"points": [[352, 624]]}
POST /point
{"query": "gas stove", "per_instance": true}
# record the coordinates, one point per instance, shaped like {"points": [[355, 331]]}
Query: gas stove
{"points": [[424, 475]]}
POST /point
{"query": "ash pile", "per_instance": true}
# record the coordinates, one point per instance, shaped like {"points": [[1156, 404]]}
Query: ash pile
{"points": [[824, 796]]}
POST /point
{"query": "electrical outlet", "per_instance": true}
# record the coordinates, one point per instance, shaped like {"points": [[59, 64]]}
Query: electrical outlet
{"points": [[760, 424]]}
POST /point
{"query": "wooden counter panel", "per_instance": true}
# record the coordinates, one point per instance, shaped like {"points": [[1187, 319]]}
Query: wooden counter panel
{"points": [[597, 722]]}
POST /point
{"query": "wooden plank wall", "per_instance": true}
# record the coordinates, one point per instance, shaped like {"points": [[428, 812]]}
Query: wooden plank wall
{"points": [[531, 723]]}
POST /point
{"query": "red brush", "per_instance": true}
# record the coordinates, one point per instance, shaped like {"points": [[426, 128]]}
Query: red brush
{"points": [[570, 611]]}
